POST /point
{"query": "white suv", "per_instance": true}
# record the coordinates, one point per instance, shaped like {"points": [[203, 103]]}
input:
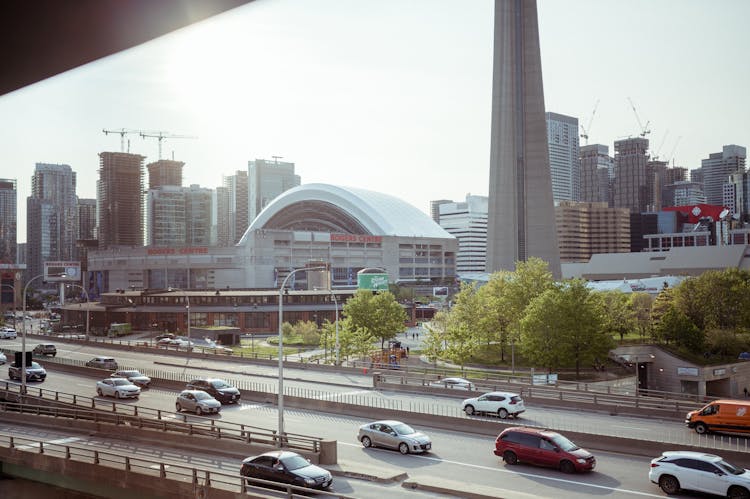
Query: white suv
{"points": [[503, 404], [676, 470], [8, 333]]}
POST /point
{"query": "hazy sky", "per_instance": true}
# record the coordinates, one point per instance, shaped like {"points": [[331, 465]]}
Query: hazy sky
{"points": [[388, 95]]}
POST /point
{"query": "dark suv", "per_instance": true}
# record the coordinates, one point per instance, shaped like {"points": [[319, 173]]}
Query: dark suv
{"points": [[544, 448], [217, 388], [45, 349]]}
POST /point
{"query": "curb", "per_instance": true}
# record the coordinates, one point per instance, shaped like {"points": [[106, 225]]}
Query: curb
{"points": [[413, 485]]}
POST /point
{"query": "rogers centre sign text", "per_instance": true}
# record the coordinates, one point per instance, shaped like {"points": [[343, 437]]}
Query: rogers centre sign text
{"points": [[356, 238], [199, 250]]}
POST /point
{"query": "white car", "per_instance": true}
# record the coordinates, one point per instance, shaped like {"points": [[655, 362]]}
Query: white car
{"points": [[8, 333], [701, 472], [133, 376], [455, 383], [503, 404], [3, 358], [117, 387]]}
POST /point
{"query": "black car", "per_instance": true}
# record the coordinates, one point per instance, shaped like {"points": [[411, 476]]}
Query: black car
{"points": [[217, 388], [286, 467], [33, 372]]}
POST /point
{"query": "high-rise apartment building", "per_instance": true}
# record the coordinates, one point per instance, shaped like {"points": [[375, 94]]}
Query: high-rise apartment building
{"points": [[520, 221], [683, 193], [435, 209], [51, 217], [666, 178], [237, 199], [164, 172], [564, 156], [223, 217], [8, 218], [717, 168], [597, 171], [165, 224], [120, 199], [584, 229], [86, 233], [737, 196], [467, 222], [199, 216], [633, 183], [266, 180]]}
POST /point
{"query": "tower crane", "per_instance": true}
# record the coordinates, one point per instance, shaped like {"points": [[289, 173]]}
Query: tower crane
{"points": [[165, 135], [671, 153], [122, 132], [661, 144], [585, 134], [644, 129]]}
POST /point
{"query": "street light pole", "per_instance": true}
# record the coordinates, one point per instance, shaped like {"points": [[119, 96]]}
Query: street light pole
{"points": [[336, 304], [187, 301], [88, 312], [14, 301], [281, 350], [23, 335]]}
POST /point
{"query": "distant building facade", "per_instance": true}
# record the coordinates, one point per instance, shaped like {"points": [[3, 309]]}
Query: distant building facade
{"points": [[584, 229], [120, 199], [564, 156], [266, 180], [8, 221], [716, 169], [164, 172], [467, 222], [237, 200], [737, 196], [633, 182], [597, 171]]}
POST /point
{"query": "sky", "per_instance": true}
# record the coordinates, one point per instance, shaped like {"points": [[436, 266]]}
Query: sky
{"points": [[388, 95]]}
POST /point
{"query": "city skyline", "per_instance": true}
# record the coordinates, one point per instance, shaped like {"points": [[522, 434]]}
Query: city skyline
{"points": [[402, 106]]}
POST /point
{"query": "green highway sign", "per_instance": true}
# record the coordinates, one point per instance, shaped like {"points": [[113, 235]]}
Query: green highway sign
{"points": [[372, 282]]}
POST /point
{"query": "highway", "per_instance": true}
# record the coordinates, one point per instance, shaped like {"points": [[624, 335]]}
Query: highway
{"points": [[458, 461]]}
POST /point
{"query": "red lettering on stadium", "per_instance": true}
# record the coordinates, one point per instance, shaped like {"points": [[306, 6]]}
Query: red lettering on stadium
{"points": [[196, 250], [356, 238]]}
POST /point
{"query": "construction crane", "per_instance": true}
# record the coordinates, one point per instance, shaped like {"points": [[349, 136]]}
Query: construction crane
{"points": [[671, 153], [655, 157], [644, 129], [585, 134], [122, 132], [165, 135]]}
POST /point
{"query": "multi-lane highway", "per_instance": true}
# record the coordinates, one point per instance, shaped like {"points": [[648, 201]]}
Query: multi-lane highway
{"points": [[459, 461]]}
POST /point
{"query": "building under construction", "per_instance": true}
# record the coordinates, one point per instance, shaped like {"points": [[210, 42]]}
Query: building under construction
{"points": [[120, 197]]}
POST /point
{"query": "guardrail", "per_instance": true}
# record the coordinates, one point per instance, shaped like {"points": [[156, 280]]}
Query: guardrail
{"points": [[145, 417], [200, 479]]}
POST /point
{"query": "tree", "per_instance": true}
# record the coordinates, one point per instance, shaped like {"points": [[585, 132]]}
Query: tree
{"points": [[564, 326], [640, 304], [495, 319], [677, 327], [436, 340], [716, 299], [379, 314], [618, 316]]}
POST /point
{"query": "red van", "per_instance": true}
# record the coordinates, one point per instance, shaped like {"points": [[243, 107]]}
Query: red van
{"points": [[543, 448]]}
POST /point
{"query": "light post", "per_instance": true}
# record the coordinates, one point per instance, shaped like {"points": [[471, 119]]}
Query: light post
{"points": [[336, 304], [14, 302], [23, 333], [187, 306], [281, 349], [88, 312]]}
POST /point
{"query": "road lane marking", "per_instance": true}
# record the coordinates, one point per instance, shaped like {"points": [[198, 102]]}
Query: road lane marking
{"points": [[59, 441], [520, 473], [629, 427]]}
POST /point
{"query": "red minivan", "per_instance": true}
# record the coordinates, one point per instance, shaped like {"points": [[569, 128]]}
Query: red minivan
{"points": [[544, 448]]}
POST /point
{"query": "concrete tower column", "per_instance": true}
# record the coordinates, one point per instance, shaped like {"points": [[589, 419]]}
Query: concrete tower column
{"points": [[521, 218]]}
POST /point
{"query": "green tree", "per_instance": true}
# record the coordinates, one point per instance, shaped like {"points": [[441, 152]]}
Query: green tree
{"points": [[640, 304], [677, 327], [618, 315], [663, 302], [564, 326], [379, 314], [436, 339], [496, 318], [716, 299]]}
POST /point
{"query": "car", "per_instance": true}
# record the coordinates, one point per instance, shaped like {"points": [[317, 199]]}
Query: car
{"points": [[209, 345], [393, 435], [503, 404], [197, 401], [286, 467], [165, 336], [33, 372], [45, 349], [8, 333], [117, 387], [217, 388], [699, 471], [3, 358], [455, 383], [520, 444], [103, 362], [133, 376]]}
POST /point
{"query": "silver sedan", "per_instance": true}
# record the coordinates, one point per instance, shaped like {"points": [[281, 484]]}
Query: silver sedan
{"points": [[117, 387], [393, 435]]}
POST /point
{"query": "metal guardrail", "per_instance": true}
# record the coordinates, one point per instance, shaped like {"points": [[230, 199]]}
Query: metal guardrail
{"points": [[145, 417], [196, 476]]}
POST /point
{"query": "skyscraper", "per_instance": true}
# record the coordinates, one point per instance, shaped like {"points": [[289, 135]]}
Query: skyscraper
{"points": [[8, 217], [51, 217], [564, 157], [266, 180], [717, 168], [237, 199], [467, 222], [164, 172], [633, 186], [223, 217], [597, 170], [199, 215], [120, 199], [521, 218], [165, 225]]}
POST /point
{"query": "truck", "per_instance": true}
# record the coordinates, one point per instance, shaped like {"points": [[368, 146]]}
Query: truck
{"points": [[721, 415], [119, 329]]}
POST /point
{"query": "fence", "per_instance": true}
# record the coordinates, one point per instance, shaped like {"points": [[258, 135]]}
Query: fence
{"points": [[198, 477]]}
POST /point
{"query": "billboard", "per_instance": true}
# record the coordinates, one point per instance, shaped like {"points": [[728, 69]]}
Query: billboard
{"points": [[372, 282], [62, 271]]}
